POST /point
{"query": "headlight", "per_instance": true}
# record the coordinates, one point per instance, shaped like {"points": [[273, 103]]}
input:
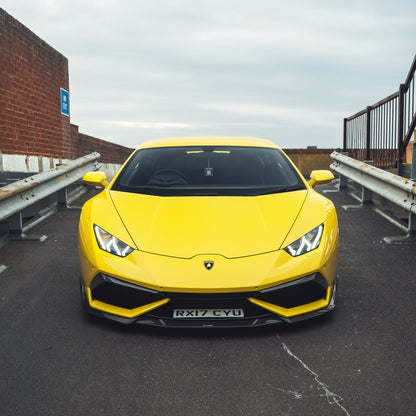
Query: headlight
{"points": [[110, 244], [307, 243]]}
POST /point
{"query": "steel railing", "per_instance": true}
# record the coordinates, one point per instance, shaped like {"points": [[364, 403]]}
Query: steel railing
{"points": [[382, 131], [394, 188], [16, 197]]}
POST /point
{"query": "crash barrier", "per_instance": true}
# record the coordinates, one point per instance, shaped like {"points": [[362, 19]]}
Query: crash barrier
{"points": [[16, 197], [396, 189]]}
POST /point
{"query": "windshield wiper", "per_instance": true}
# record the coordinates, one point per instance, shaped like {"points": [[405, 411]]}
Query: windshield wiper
{"points": [[203, 194], [278, 189]]}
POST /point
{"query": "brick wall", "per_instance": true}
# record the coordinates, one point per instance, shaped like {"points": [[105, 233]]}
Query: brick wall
{"points": [[31, 75], [83, 144]]}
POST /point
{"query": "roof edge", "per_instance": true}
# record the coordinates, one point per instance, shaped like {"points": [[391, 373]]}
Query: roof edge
{"points": [[209, 140]]}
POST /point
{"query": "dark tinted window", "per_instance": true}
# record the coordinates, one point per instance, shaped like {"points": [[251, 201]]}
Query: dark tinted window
{"points": [[208, 170]]}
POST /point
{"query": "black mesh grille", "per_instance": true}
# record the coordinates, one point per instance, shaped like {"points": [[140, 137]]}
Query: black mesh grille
{"points": [[117, 293], [301, 292]]}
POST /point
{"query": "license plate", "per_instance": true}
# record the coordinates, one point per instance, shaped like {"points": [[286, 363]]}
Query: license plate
{"points": [[208, 313]]}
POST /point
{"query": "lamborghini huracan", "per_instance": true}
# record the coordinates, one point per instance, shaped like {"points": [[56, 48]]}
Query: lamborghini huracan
{"points": [[208, 232]]}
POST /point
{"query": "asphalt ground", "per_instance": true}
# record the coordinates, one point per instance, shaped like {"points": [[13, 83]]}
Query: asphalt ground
{"points": [[357, 360]]}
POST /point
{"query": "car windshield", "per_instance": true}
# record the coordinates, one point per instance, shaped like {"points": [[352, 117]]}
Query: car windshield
{"points": [[208, 170]]}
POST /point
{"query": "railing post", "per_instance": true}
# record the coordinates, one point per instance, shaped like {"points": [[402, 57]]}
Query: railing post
{"points": [[410, 237], [368, 134], [367, 194], [343, 180], [412, 224], [413, 174], [16, 224], [16, 229], [344, 140], [400, 131], [62, 198]]}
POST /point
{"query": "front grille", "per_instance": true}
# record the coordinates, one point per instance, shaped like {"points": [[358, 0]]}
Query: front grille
{"points": [[299, 292], [289, 295]]}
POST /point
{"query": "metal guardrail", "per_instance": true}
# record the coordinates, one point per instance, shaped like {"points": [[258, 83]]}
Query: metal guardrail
{"points": [[16, 197], [396, 189]]}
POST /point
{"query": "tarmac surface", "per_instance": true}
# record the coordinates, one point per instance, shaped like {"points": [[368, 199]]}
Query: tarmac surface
{"points": [[357, 360]]}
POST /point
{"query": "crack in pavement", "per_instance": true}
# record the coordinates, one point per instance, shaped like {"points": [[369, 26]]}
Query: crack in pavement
{"points": [[332, 398]]}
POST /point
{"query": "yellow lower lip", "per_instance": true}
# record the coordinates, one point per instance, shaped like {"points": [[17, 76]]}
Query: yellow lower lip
{"points": [[127, 313], [298, 310]]}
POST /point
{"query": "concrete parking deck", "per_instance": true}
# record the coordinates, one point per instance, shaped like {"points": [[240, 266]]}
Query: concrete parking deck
{"points": [[358, 360]]}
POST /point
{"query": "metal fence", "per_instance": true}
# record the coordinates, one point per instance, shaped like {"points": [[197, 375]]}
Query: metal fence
{"points": [[382, 131]]}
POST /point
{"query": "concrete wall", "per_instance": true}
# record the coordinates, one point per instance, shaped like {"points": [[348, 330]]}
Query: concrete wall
{"points": [[20, 166], [308, 160]]}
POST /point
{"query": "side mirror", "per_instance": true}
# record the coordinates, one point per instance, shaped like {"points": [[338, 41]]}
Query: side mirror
{"points": [[95, 179], [320, 177]]}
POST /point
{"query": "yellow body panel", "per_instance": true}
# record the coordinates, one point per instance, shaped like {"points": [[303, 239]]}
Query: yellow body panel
{"points": [[208, 141], [290, 312], [248, 273], [172, 237], [188, 226], [127, 313]]}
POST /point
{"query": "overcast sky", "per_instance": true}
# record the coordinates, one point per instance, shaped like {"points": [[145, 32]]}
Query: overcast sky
{"points": [[288, 71]]}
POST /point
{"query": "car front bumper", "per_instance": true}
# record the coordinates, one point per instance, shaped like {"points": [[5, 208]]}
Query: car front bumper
{"points": [[257, 312]]}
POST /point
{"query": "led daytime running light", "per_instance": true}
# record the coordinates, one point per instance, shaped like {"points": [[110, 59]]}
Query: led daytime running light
{"points": [[111, 244], [306, 243]]}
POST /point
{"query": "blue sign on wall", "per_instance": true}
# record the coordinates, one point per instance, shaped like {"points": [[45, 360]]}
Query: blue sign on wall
{"points": [[64, 102]]}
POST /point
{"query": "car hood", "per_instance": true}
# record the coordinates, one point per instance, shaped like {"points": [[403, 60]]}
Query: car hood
{"points": [[188, 226]]}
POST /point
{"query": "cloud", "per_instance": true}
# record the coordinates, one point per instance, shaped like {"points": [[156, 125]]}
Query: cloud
{"points": [[147, 124], [293, 70], [301, 116]]}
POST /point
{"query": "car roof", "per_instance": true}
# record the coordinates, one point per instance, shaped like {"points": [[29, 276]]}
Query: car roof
{"points": [[209, 140]]}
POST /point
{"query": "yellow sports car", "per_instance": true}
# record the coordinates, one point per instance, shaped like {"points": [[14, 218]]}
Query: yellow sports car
{"points": [[208, 232]]}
